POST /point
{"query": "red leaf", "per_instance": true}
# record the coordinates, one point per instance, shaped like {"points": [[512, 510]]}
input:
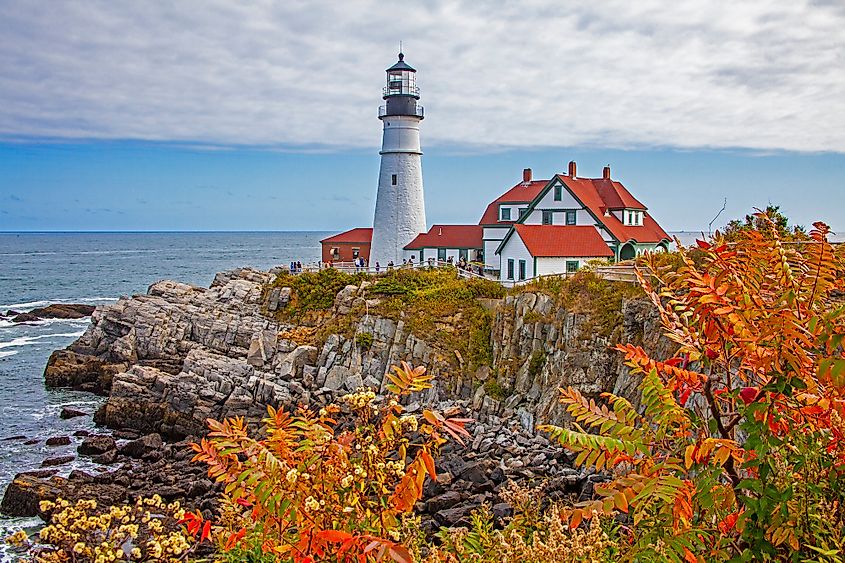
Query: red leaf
{"points": [[206, 531], [748, 394]]}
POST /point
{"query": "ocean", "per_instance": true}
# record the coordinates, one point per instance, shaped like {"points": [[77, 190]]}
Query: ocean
{"points": [[37, 269]]}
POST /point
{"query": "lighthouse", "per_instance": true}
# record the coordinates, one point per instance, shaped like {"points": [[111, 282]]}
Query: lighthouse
{"points": [[400, 206]]}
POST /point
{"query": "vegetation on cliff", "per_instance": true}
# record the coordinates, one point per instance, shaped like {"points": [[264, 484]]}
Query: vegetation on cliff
{"points": [[738, 452]]}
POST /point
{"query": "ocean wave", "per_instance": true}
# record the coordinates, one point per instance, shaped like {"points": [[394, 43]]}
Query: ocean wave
{"points": [[30, 305], [27, 340], [7, 353]]}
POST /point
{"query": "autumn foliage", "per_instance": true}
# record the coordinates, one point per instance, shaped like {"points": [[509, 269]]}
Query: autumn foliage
{"points": [[327, 486], [736, 449]]}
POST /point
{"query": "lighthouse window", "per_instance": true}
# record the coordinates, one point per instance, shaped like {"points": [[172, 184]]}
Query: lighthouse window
{"points": [[393, 179]]}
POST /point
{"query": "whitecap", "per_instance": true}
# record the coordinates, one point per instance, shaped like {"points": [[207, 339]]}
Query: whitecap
{"points": [[7, 353], [27, 340]]}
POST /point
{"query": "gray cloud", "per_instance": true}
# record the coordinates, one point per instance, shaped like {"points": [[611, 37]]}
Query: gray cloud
{"points": [[765, 74]]}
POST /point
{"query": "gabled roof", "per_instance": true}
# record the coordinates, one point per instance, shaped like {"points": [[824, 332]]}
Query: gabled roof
{"points": [[523, 192], [600, 196], [551, 241], [363, 235], [448, 236]]}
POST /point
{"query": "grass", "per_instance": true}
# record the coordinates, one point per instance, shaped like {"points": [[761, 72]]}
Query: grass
{"points": [[587, 293], [436, 305]]}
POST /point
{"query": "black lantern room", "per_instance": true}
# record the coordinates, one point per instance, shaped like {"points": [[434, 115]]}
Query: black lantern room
{"points": [[401, 92]]}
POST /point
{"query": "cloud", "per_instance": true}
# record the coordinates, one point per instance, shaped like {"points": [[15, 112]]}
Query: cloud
{"points": [[764, 75]]}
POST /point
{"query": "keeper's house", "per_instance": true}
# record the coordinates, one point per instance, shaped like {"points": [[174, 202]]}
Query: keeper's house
{"points": [[348, 245], [556, 226]]}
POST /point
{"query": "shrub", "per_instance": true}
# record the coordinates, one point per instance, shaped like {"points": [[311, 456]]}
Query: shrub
{"points": [[536, 534], [495, 390], [536, 363], [738, 451], [364, 340], [149, 530], [316, 489]]}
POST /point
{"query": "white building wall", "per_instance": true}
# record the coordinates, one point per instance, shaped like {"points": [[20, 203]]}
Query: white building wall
{"points": [[557, 265], [491, 259], [515, 249], [582, 217], [566, 200], [400, 209]]}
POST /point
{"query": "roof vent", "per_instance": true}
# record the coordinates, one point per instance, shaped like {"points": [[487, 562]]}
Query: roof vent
{"points": [[526, 175], [572, 169], [606, 172]]}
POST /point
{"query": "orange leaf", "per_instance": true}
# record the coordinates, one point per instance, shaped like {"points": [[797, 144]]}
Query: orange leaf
{"points": [[429, 463], [575, 521], [334, 536]]}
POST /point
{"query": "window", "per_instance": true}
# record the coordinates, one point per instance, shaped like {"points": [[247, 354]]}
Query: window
{"points": [[510, 268], [571, 266], [463, 254], [558, 192], [335, 253], [522, 269], [356, 252], [393, 179], [506, 213], [522, 211], [547, 217], [441, 254], [570, 217]]}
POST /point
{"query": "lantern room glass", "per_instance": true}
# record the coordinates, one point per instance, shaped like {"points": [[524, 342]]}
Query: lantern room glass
{"points": [[401, 82]]}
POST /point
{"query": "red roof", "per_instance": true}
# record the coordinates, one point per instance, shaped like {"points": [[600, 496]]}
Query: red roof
{"points": [[577, 241], [601, 195], [360, 235], [523, 192], [448, 236]]}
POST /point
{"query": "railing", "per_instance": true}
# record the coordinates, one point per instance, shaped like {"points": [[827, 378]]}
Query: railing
{"points": [[619, 272], [418, 111], [406, 90]]}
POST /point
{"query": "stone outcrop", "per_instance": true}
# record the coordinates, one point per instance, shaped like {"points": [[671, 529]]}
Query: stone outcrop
{"points": [[181, 354], [54, 311]]}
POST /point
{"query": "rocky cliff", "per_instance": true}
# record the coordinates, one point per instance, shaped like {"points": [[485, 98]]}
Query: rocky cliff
{"points": [[180, 354]]}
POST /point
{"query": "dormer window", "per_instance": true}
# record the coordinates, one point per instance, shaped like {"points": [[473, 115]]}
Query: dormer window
{"points": [[505, 214], [632, 217]]}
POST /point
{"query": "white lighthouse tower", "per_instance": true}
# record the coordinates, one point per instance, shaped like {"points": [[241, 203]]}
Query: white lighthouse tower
{"points": [[400, 206]]}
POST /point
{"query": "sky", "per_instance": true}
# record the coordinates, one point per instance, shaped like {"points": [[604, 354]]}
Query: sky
{"points": [[220, 115]]}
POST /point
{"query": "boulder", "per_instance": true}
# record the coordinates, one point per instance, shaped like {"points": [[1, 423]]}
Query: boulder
{"points": [[142, 446], [68, 413], [58, 441], [60, 460], [96, 445]]}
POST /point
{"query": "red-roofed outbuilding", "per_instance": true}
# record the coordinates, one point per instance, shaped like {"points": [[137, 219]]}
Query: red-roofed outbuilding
{"points": [[348, 245], [443, 242]]}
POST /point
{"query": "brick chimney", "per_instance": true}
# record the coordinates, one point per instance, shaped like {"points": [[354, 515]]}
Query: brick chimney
{"points": [[571, 168], [526, 175], [606, 172]]}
